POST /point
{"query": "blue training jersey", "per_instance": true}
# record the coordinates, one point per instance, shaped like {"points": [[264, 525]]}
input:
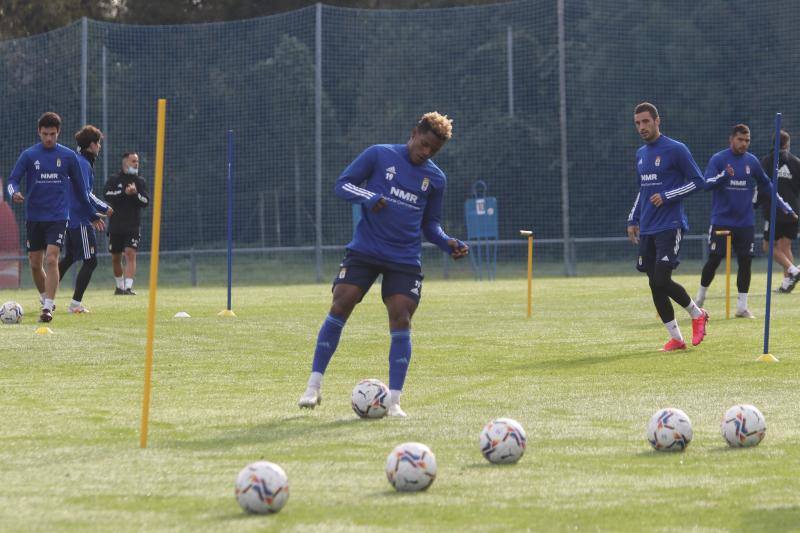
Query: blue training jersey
{"points": [[49, 174], [733, 179], [413, 195], [666, 167], [78, 213]]}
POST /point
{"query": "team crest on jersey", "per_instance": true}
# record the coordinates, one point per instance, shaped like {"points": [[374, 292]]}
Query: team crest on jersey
{"points": [[342, 272], [58, 162], [37, 164], [390, 172], [425, 182], [747, 169], [658, 160]]}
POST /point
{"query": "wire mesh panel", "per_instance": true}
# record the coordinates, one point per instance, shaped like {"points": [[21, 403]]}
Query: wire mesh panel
{"points": [[493, 69]]}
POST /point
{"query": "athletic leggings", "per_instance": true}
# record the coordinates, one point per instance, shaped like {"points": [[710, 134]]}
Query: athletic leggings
{"points": [[663, 288], [742, 277]]}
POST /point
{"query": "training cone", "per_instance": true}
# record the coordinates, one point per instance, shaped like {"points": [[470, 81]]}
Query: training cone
{"points": [[44, 330], [182, 314], [226, 312], [767, 358]]}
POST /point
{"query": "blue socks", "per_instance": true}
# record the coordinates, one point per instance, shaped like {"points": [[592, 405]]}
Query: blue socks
{"points": [[399, 358], [327, 341]]}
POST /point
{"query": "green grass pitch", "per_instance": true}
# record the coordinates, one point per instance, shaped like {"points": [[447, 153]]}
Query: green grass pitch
{"points": [[582, 376]]}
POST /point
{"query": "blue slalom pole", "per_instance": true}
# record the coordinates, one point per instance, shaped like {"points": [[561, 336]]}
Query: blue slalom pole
{"points": [[230, 215], [772, 212]]}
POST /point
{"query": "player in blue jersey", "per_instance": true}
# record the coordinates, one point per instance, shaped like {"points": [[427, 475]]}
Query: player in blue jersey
{"points": [[400, 191], [80, 242], [732, 175], [50, 170], [667, 174]]}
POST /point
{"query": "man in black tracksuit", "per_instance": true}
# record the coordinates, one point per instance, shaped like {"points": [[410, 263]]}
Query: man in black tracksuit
{"points": [[785, 225], [127, 194]]}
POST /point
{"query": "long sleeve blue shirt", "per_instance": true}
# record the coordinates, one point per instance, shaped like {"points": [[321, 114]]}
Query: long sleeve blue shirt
{"points": [[49, 175], [78, 214], [734, 178], [413, 195], [666, 167]]}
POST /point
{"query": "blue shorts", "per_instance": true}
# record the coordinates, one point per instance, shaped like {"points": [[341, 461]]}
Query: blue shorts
{"points": [[81, 243], [362, 270], [742, 241], [659, 247], [42, 234]]}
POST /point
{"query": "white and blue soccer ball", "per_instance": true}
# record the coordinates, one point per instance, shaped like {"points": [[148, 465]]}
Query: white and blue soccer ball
{"points": [[411, 467], [669, 430], [11, 313], [370, 398], [262, 488], [743, 426], [503, 441]]}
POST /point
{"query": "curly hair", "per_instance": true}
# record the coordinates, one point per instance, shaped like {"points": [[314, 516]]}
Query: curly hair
{"points": [[440, 125]]}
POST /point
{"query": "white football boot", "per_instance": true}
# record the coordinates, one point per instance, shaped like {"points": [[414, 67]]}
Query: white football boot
{"points": [[310, 399]]}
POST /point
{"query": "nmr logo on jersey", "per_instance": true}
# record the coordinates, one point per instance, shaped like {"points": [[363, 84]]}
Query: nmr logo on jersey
{"points": [[649, 177], [403, 195]]}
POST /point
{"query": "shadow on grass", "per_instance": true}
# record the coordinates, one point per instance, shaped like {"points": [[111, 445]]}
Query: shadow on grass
{"points": [[780, 519], [589, 360], [287, 428]]}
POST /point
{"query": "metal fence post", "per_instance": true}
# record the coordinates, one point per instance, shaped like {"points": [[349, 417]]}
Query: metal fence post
{"points": [[318, 142]]}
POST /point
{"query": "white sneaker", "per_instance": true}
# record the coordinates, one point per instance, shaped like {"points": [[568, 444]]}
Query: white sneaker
{"points": [[310, 399], [744, 313], [78, 309], [395, 410]]}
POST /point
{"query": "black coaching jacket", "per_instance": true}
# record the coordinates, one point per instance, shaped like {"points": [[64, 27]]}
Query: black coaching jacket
{"points": [[126, 217]]}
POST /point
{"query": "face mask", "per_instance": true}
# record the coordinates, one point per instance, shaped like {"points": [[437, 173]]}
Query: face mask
{"points": [[132, 170]]}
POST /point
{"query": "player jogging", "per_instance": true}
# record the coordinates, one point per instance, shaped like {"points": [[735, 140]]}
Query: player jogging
{"points": [[667, 174], [80, 243], [400, 191], [50, 170], [732, 175]]}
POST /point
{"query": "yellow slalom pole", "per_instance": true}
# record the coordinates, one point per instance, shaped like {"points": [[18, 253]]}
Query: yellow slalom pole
{"points": [[151, 306], [727, 271], [529, 234]]}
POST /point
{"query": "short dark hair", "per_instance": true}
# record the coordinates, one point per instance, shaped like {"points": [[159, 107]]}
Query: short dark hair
{"points": [[126, 154], [87, 135], [784, 138], [646, 107], [740, 128], [50, 120]]}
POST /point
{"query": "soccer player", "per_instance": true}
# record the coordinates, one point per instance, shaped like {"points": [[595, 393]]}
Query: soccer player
{"points": [[127, 194], [785, 225], [732, 175], [400, 191], [667, 174], [80, 242], [50, 171]]}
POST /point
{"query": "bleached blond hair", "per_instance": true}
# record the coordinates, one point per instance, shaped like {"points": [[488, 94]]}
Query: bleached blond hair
{"points": [[439, 124]]}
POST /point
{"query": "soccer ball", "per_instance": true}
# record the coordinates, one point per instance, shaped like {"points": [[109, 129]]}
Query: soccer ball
{"points": [[743, 426], [370, 398], [670, 430], [411, 467], [502, 441], [262, 488], [11, 313]]}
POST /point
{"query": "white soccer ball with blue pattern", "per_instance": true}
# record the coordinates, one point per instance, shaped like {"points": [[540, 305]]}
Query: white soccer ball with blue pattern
{"points": [[262, 488], [411, 467], [502, 441], [743, 426], [11, 313], [370, 398], [669, 430]]}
